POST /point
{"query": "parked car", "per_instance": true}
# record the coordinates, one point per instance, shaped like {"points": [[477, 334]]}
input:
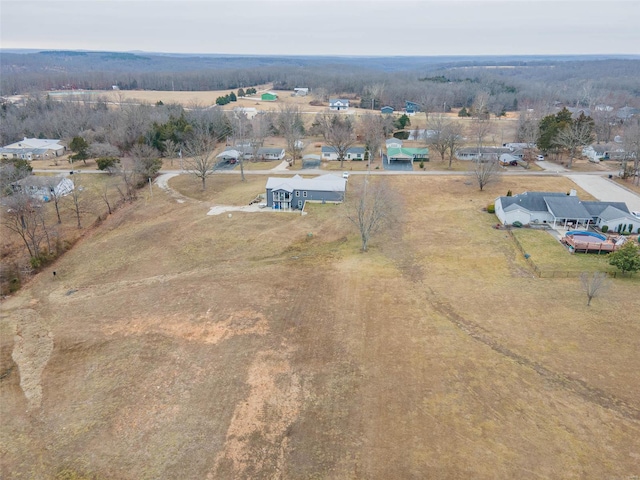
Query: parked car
{"points": [[636, 214], [345, 175], [540, 157]]}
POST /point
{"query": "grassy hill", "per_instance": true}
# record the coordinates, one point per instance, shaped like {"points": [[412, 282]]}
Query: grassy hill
{"points": [[176, 344]]}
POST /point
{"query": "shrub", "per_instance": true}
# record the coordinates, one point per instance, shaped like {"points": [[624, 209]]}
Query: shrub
{"points": [[509, 193], [604, 229], [107, 163], [491, 208], [421, 164]]}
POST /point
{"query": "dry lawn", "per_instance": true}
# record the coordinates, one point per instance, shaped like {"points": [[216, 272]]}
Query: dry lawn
{"points": [[173, 344]]}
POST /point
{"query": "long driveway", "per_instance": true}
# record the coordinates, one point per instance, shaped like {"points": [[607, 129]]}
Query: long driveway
{"points": [[607, 190]]}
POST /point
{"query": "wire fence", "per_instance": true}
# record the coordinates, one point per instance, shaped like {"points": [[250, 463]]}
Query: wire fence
{"points": [[544, 273]]}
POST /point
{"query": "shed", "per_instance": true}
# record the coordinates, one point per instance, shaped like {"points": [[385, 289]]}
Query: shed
{"points": [[386, 110], [269, 97]]}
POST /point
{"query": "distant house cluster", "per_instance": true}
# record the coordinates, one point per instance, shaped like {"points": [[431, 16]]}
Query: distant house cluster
{"points": [[33, 148]]}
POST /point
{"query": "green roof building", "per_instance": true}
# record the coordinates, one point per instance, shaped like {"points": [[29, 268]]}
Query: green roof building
{"points": [[269, 97]]}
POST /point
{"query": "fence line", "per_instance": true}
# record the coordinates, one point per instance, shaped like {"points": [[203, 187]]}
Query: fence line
{"points": [[553, 273]]}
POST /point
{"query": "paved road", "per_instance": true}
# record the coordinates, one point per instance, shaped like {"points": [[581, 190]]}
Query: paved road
{"points": [[607, 190]]}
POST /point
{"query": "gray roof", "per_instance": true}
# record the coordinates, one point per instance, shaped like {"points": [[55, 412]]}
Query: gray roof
{"points": [[566, 207], [38, 181], [596, 208], [613, 213], [323, 183], [270, 151], [484, 150], [532, 201]]}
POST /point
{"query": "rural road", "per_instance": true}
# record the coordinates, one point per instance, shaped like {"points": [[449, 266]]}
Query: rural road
{"points": [[594, 183]]}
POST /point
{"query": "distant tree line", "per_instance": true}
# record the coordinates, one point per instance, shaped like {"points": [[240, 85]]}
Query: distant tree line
{"points": [[437, 86]]}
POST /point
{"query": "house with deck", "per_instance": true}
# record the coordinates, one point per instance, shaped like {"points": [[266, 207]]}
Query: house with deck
{"points": [[561, 210], [292, 193]]}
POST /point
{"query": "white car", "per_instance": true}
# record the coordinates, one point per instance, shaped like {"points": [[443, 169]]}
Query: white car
{"points": [[345, 175], [540, 157], [636, 214]]}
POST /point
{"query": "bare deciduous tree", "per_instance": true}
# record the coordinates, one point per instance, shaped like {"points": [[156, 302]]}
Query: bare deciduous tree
{"points": [[24, 216], [171, 150], [337, 133], [632, 149], [372, 129], [486, 172], [241, 126], [593, 284], [437, 136], [573, 136], [372, 208], [76, 203], [200, 160], [453, 139], [291, 126]]}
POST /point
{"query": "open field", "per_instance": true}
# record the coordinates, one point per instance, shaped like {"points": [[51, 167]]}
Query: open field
{"points": [[173, 344]]}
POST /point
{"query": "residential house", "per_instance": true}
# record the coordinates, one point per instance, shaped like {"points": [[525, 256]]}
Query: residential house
{"points": [[560, 209], [407, 154], [625, 113], [292, 193], [250, 112], [615, 215], [482, 153], [338, 104], [393, 143], [265, 153], [387, 110], [269, 97], [411, 108], [233, 154], [33, 148], [353, 153], [604, 151], [43, 188]]}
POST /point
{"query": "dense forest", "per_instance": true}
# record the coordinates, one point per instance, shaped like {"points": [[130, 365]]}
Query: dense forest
{"points": [[437, 83]]}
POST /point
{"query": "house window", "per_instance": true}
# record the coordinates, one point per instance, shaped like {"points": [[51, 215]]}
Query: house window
{"points": [[297, 193], [304, 194]]}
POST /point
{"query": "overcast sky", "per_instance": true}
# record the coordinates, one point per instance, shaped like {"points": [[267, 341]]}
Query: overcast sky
{"points": [[311, 27]]}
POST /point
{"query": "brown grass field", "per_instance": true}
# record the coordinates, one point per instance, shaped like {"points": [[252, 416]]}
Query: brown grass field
{"points": [[172, 344]]}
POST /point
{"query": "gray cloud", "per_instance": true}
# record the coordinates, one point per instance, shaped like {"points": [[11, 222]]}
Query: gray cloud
{"points": [[471, 27]]}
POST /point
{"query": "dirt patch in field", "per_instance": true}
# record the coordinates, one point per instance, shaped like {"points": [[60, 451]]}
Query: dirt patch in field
{"points": [[33, 344]]}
